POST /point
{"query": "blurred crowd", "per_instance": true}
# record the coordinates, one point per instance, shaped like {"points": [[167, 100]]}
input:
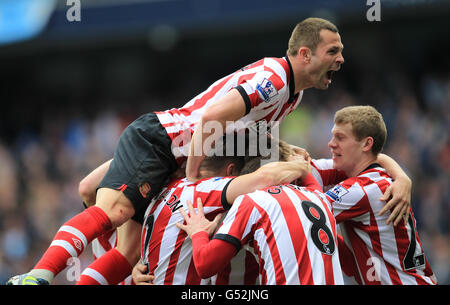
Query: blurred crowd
{"points": [[40, 171]]}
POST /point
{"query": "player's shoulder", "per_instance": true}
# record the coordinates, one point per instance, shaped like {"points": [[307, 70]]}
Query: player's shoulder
{"points": [[322, 164], [252, 197], [214, 179], [373, 174], [264, 196], [278, 65], [212, 183], [361, 184]]}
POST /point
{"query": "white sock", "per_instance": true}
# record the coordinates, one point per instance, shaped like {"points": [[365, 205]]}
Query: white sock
{"points": [[42, 274]]}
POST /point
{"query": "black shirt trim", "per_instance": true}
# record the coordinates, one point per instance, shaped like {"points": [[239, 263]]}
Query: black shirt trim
{"points": [[223, 198], [248, 104], [292, 95], [373, 165], [229, 239]]}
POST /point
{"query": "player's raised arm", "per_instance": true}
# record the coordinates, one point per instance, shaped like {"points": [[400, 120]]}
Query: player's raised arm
{"points": [[229, 108]]}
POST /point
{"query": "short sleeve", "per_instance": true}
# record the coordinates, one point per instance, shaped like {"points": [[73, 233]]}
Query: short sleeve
{"points": [[348, 199], [237, 225], [325, 174], [212, 190], [263, 87]]}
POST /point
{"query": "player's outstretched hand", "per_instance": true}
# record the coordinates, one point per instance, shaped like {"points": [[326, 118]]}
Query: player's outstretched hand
{"points": [[398, 198], [140, 277], [196, 222]]}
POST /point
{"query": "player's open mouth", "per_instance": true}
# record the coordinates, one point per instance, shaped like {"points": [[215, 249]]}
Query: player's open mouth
{"points": [[335, 155], [330, 74]]}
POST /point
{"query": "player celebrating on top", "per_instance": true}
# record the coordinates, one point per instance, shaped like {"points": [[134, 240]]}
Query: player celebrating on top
{"points": [[271, 88], [152, 147]]}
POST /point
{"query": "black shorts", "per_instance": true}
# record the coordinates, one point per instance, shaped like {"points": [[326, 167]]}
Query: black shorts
{"points": [[142, 155]]}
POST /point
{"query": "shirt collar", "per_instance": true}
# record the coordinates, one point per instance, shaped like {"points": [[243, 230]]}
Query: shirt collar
{"points": [[373, 165], [292, 95]]}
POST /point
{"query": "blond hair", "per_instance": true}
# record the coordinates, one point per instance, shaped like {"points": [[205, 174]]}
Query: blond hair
{"points": [[366, 122], [307, 33]]}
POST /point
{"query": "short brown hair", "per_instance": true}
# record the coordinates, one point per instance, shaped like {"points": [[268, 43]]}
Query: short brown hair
{"points": [[366, 122], [218, 158], [307, 33], [253, 163]]}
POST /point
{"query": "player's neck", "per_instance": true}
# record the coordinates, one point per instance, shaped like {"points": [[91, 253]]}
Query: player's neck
{"points": [[301, 78], [361, 166]]}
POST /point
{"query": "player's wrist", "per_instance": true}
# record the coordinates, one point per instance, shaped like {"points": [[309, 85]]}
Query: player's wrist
{"points": [[199, 234]]}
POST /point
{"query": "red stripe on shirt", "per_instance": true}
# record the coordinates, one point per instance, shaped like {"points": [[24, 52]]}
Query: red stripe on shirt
{"points": [[361, 254], [266, 225], [374, 232], [251, 269], [168, 280], [327, 259], [298, 238], [200, 102]]}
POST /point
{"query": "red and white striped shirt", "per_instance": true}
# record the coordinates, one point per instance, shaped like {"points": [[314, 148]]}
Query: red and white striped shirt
{"points": [[166, 249], [325, 174], [267, 87], [384, 254], [291, 230]]}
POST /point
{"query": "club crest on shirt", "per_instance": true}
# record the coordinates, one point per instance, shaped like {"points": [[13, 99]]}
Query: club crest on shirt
{"points": [[266, 90], [337, 192]]}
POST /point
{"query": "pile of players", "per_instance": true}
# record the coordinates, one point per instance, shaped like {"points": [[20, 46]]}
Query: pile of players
{"points": [[184, 202]]}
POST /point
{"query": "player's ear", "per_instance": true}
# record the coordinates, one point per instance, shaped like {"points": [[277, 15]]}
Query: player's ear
{"points": [[305, 54], [367, 144], [230, 169]]}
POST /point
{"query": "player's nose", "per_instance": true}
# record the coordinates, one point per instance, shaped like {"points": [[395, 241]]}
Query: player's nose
{"points": [[340, 59], [331, 143]]}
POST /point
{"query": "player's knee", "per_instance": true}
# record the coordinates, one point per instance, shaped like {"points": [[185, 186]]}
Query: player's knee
{"points": [[87, 192], [130, 251], [118, 214], [128, 241]]}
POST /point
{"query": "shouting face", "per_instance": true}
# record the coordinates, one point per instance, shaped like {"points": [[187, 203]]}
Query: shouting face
{"points": [[326, 59]]}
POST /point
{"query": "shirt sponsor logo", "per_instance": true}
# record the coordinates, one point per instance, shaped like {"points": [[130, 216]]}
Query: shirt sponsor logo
{"points": [[337, 192], [266, 90]]}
